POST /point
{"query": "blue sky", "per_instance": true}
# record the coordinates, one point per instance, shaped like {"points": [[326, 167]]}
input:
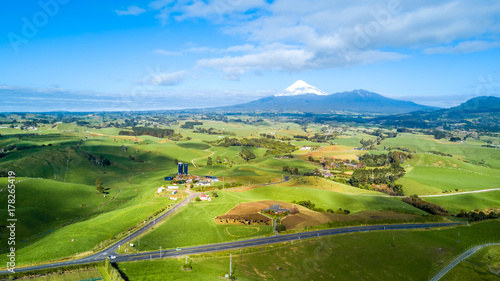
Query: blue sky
{"points": [[140, 55]]}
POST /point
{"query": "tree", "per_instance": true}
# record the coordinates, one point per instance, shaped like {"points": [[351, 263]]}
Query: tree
{"points": [[247, 154], [209, 161], [98, 185], [176, 162]]}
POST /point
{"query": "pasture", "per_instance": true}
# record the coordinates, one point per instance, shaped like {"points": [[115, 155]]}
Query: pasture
{"points": [[195, 225], [483, 265], [384, 255]]}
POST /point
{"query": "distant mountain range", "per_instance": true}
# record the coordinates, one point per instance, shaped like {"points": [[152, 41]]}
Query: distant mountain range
{"points": [[476, 113], [302, 97]]}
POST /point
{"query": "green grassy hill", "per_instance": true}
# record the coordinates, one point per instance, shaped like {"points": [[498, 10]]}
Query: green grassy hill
{"points": [[46, 205]]}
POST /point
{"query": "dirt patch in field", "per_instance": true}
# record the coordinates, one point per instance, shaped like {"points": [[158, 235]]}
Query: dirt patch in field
{"points": [[335, 152], [335, 148], [307, 218], [249, 213]]}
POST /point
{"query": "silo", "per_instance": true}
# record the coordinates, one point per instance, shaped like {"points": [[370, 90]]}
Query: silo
{"points": [[186, 168], [179, 169]]}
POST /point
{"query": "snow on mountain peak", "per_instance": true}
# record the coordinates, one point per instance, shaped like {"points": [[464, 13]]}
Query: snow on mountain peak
{"points": [[300, 88]]}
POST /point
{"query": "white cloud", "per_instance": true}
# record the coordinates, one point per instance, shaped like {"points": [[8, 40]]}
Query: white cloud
{"points": [[131, 10], [168, 79], [463, 48], [326, 34], [167, 53], [241, 48], [280, 59], [216, 10]]}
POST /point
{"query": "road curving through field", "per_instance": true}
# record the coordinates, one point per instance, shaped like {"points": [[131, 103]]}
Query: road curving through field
{"points": [[460, 258]]}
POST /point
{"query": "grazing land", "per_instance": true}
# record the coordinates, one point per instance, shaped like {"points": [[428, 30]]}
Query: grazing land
{"points": [[103, 173], [385, 255]]}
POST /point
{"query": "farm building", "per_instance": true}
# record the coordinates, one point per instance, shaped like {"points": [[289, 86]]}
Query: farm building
{"points": [[212, 178], [172, 187], [276, 209], [160, 189], [173, 198], [205, 197], [174, 192], [203, 183]]}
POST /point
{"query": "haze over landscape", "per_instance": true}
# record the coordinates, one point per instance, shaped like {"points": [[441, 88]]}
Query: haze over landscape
{"points": [[250, 140], [71, 56]]}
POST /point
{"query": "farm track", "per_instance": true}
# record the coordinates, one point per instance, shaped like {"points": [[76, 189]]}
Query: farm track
{"points": [[434, 195], [192, 161]]}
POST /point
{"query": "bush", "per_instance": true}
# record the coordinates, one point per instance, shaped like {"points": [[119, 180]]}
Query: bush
{"points": [[280, 227]]}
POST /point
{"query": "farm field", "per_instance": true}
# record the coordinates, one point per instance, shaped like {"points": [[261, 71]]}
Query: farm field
{"points": [[195, 225], [45, 211], [483, 265], [195, 219], [335, 152], [58, 201], [384, 256], [468, 202], [90, 274], [471, 150]]}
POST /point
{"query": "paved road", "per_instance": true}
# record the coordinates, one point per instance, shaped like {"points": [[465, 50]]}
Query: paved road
{"points": [[462, 257], [224, 246]]}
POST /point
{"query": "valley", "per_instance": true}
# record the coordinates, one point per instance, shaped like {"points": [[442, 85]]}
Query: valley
{"points": [[87, 182]]}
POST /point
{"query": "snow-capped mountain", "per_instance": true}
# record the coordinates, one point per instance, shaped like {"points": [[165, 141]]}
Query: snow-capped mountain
{"points": [[302, 97], [301, 88]]}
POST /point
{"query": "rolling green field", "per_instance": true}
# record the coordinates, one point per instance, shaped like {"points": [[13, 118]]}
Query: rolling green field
{"points": [[62, 215], [483, 265], [46, 205], [194, 225], [471, 150], [468, 202], [383, 255], [432, 174]]}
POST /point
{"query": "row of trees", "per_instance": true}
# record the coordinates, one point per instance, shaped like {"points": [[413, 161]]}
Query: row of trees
{"points": [[139, 131], [212, 131], [478, 215], [247, 154], [292, 171], [273, 146], [190, 124], [361, 177], [378, 160], [98, 160], [428, 207]]}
